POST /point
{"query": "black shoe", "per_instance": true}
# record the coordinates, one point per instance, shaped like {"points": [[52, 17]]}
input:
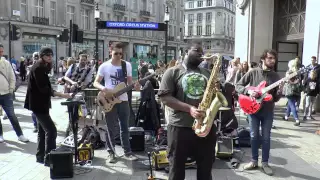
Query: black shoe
{"points": [[35, 130], [40, 160]]}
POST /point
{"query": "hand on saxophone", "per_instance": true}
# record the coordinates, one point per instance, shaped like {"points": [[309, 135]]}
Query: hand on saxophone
{"points": [[196, 113]]}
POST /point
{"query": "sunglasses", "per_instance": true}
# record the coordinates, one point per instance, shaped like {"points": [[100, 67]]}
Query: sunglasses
{"points": [[118, 54]]}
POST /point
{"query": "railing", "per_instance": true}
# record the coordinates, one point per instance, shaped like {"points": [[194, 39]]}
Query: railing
{"points": [[91, 2], [40, 20], [145, 13], [119, 7]]}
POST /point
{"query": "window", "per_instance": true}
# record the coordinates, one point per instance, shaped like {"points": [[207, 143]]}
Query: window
{"points": [[209, 2], [174, 31], [208, 30], [199, 17], [200, 3], [208, 17], [134, 5], [182, 16], [70, 14], [23, 10], [199, 30], [231, 27], [85, 19], [53, 15], [190, 18], [191, 5], [144, 5], [152, 8], [207, 44], [190, 30], [38, 8]]}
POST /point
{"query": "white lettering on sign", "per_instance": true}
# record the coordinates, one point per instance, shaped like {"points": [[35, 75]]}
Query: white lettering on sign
{"points": [[132, 25]]}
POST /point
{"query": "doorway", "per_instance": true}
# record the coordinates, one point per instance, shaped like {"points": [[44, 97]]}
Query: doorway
{"points": [[286, 52]]}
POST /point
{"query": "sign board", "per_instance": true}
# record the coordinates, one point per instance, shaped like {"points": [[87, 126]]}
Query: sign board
{"points": [[152, 26], [15, 12]]}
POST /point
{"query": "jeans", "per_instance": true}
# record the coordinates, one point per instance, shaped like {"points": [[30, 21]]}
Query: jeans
{"points": [[264, 117], [6, 101], [120, 113], [47, 134], [309, 104], [34, 119], [291, 107], [184, 143]]}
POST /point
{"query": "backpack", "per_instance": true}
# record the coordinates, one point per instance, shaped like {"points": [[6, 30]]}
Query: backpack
{"points": [[92, 136]]}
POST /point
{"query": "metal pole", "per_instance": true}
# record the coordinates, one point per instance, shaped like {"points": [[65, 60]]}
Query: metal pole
{"points": [[10, 37], [166, 44], [97, 42], [70, 39]]}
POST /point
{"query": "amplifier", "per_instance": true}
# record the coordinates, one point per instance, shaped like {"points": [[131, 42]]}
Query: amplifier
{"points": [[136, 138], [224, 147], [61, 164]]}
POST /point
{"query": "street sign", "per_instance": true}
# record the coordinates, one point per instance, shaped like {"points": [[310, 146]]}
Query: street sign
{"points": [[152, 26]]}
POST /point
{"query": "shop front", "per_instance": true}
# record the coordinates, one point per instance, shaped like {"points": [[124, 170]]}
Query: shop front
{"points": [[34, 42], [88, 47]]}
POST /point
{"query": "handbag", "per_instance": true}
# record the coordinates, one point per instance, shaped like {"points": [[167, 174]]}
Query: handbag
{"points": [[18, 81]]}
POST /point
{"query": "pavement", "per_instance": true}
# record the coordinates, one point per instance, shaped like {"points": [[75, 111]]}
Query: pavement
{"points": [[294, 153]]}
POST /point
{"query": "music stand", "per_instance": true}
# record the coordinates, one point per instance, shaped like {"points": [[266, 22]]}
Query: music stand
{"points": [[73, 111]]}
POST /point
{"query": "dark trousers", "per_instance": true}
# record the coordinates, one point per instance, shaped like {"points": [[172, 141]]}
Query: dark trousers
{"points": [[47, 134], [6, 101], [184, 143]]}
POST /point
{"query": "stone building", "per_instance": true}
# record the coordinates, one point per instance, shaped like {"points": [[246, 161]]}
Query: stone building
{"points": [[211, 23], [41, 21]]}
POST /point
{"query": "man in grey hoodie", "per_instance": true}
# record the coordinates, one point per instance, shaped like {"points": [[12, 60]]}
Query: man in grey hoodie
{"points": [[265, 115]]}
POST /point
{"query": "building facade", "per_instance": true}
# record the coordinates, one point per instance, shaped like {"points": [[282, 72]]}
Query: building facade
{"points": [[41, 21], [211, 23]]}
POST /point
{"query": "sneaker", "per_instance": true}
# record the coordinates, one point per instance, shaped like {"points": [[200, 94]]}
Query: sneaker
{"points": [[285, 118], [267, 169], [1, 139], [23, 139], [250, 166], [131, 157], [112, 158], [297, 123]]}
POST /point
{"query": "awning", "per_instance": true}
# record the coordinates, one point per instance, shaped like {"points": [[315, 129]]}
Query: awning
{"points": [[227, 58]]}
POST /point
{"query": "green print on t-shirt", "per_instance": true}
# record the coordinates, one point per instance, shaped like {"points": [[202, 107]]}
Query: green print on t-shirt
{"points": [[194, 85]]}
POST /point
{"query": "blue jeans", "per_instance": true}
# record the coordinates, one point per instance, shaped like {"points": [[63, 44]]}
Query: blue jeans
{"points": [[6, 101], [120, 113], [263, 117], [34, 119], [291, 107]]}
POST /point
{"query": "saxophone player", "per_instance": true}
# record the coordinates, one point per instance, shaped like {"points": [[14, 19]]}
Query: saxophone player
{"points": [[181, 90]]}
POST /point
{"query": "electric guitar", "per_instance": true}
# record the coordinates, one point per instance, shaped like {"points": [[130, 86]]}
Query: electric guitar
{"points": [[121, 88], [251, 105]]}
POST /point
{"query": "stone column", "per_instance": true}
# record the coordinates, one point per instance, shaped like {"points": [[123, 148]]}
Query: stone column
{"points": [[254, 29], [311, 36]]}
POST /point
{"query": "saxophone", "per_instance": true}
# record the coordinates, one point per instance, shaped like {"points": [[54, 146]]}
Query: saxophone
{"points": [[203, 126]]}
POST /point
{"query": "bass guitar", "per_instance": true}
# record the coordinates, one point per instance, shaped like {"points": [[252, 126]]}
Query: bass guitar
{"points": [[251, 105], [121, 88]]}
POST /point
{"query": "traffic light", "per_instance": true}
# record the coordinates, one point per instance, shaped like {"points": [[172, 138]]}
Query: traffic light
{"points": [[15, 32], [79, 38], [74, 32], [64, 37]]}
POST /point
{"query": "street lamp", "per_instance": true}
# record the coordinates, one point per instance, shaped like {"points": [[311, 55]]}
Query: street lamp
{"points": [[166, 20], [97, 17]]}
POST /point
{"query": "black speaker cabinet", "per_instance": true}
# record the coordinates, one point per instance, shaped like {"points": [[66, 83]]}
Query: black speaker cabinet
{"points": [[136, 138], [61, 164]]}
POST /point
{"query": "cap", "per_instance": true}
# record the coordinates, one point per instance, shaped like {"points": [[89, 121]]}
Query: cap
{"points": [[45, 50]]}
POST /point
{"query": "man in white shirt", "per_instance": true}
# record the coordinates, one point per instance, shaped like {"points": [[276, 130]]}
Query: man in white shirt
{"points": [[8, 83], [112, 73]]}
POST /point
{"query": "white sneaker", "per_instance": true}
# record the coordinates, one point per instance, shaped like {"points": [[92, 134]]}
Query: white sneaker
{"points": [[1, 139], [23, 139]]}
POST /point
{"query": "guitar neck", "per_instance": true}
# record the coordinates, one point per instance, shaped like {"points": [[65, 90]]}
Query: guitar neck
{"points": [[130, 87], [277, 83]]}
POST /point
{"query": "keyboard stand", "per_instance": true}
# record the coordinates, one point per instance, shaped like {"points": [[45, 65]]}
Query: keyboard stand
{"points": [[73, 111]]}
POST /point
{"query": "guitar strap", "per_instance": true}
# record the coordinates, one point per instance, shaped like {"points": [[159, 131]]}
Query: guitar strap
{"points": [[124, 70]]}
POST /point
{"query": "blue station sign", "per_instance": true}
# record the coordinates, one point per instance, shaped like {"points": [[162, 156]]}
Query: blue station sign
{"points": [[132, 25]]}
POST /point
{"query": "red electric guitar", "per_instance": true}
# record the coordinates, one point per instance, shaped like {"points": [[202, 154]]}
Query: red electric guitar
{"points": [[251, 105]]}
